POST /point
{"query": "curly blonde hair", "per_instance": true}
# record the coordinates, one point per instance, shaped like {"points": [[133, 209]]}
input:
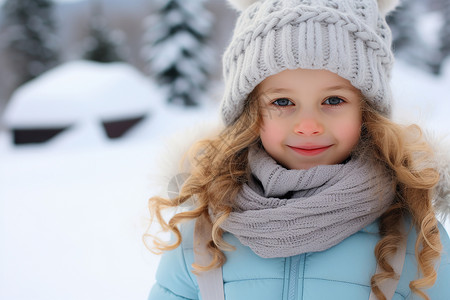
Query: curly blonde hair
{"points": [[404, 151], [220, 168]]}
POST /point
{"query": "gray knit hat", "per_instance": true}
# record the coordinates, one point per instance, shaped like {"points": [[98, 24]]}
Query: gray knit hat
{"points": [[347, 37]]}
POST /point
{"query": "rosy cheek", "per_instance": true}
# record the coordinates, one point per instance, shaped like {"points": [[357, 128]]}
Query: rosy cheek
{"points": [[270, 134], [350, 132]]}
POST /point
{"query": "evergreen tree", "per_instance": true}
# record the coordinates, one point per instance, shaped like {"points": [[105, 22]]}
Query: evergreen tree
{"points": [[176, 49], [403, 24], [444, 34], [100, 45], [408, 44], [31, 39]]}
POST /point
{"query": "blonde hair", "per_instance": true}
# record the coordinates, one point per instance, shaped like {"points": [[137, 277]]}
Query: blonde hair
{"points": [[218, 171], [403, 150], [220, 168]]}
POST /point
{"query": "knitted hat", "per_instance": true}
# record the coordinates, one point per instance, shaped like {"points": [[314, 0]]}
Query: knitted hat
{"points": [[347, 37]]}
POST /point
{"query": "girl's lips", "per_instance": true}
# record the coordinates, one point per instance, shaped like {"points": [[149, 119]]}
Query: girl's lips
{"points": [[310, 150]]}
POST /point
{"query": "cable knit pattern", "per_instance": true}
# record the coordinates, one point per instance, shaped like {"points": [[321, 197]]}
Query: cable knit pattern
{"points": [[284, 212], [349, 38]]}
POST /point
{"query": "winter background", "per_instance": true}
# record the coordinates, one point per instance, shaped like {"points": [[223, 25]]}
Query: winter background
{"points": [[91, 93]]}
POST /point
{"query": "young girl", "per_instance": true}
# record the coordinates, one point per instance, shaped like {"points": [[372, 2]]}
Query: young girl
{"points": [[310, 191]]}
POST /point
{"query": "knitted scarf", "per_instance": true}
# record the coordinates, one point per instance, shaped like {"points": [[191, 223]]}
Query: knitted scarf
{"points": [[281, 212]]}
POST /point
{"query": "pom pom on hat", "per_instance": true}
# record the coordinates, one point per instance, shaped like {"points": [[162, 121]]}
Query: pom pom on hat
{"points": [[386, 6], [240, 5]]}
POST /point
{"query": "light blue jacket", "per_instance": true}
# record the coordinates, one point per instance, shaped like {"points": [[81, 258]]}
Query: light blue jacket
{"points": [[341, 272]]}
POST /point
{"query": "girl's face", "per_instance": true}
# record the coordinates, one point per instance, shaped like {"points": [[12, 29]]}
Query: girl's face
{"points": [[309, 118]]}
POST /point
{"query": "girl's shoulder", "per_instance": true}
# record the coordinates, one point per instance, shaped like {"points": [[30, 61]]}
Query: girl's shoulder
{"points": [[445, 255], [174, 277], [441, 288], [409, 272], [187, 232], [412, 236], [445, 239]]}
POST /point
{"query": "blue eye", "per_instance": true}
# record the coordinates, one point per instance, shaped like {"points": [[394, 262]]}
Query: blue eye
{"points": [[334, 101], [283, 102]]}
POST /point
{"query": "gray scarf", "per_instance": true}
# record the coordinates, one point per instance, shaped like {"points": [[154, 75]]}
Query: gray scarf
{"points": [[281, 212]]}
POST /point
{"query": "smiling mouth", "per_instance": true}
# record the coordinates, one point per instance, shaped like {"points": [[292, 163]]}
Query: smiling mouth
{"points": [[310, 150]]}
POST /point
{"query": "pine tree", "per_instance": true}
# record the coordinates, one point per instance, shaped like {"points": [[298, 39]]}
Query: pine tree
{"points": [[445, 34], [31, 37], [408, 44], [100, 45], [403, 25], [176, 49]]}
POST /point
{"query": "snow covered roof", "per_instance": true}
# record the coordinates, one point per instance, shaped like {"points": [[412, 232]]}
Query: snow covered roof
{"points": [[79, 90]]}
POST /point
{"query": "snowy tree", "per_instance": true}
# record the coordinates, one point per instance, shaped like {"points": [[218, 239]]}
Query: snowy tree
{"points": [[100, 43], [31, 38], [403, 25], [176, 49], [409, 43], [445, 33]]}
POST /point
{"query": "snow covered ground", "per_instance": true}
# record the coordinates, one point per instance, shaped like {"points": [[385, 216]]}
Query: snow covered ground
{"points": [[72, 212]]}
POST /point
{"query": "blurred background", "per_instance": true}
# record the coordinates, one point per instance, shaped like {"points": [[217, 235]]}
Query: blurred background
{"points": [[90, 93]]}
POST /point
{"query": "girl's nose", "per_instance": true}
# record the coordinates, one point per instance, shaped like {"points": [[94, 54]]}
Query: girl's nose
{"points": [[308, 127]]}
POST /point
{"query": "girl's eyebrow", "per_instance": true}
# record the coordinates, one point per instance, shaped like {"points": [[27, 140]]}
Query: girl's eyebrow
{"points": [[278, 90], [330, 88], [341, 87]]}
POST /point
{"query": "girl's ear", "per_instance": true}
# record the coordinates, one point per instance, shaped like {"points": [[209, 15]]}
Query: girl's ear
{"points": [[240, 5], [387, 6]]}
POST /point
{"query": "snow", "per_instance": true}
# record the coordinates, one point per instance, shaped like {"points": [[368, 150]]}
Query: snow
{"points": [[430, 22], [72, 212], [71, 225], [422, 98], [80, 90]]}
